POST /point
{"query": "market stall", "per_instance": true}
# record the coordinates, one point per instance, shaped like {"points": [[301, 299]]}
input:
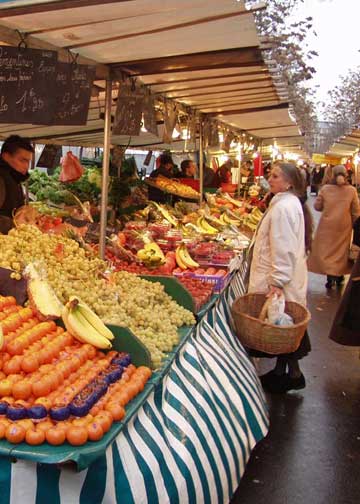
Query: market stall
{"points": [[188, 442], [188, 435]]}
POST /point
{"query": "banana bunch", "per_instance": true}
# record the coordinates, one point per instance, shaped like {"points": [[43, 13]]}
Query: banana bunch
{"points": [[252, 219], [85, 325], [184, 259], [165, 213], [234, 201], [228, 221], [205, 226]]}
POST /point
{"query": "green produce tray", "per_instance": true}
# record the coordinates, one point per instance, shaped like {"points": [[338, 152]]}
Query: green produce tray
{"points": [[83, 456], [175, 289]]}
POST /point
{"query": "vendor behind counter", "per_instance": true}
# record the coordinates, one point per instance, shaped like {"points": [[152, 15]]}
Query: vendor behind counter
{"points": [[15, 159], [165, 168]]}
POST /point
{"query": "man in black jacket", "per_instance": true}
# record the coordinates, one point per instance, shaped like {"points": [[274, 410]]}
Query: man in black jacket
{"points": [[165, 168], [16, 155]]}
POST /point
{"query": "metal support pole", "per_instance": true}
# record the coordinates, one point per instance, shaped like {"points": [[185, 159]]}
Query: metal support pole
{"points": [[105, 169], [201, 160], [27, 182], [239, 161]]}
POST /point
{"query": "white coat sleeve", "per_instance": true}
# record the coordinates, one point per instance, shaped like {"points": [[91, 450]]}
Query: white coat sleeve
{"points": [[284, 246]]}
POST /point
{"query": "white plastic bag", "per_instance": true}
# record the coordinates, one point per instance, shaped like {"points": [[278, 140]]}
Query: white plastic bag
{"points": [[276, 311]]}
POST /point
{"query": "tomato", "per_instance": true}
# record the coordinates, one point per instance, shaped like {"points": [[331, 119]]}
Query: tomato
{"points": [[95, 431], [45, 425], [13, 366], [77, 435], [22, 390], [27, 423], [15, 433], [44, 401], [55, 436], [42, 387], [116, 410], [29, 363], [5, 387], [104, 418], [35, 437]]}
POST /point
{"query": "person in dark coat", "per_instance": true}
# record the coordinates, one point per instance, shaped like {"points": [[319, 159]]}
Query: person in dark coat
{"points": [[164, 169], [15, 159], [316, 179], [346, 326]]}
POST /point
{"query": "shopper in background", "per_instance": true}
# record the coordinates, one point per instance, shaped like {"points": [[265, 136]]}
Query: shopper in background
{"points": [[316, 179], [211, 178], [165, 167], [224, 172], [15, 159], [279, 264], [339, 203], [188, 169]]}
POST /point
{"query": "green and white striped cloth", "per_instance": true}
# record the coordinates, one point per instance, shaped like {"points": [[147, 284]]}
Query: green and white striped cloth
{"points": [[188, 443]]}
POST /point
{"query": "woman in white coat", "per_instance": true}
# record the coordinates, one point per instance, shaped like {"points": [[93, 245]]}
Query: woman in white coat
{"points": [[279, 263]]}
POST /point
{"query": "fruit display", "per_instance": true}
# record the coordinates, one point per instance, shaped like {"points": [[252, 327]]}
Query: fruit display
{"points": [[200, 290], [173, 187], [55, 389], [122, 298]]}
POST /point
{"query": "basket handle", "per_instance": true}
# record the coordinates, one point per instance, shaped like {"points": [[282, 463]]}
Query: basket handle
{"points": [[264, 309]]}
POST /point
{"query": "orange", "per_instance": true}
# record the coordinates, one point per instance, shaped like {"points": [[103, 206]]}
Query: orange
{"points": [[55, 436], [15, 433], [35, 437], [2, 430], [95, 431], [77, 436]]}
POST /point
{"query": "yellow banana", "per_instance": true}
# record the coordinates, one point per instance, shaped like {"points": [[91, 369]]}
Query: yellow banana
{"points": [[65, 318], [179, 260], [82, 329], [94, 320], [210, 229], [186, 258]]}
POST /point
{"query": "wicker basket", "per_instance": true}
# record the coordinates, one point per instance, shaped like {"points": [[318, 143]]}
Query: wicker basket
{"points": [[259, 335]]}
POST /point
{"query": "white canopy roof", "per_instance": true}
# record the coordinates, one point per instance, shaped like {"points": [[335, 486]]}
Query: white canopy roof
{"points": [[204, 54]]}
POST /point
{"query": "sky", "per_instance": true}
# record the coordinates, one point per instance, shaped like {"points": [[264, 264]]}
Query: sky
{"points": [[336, 23]]}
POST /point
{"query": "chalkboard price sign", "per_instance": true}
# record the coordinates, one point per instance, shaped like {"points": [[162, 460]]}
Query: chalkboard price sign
{"points": [[24, 85], [50, 156], [129, 109], [73, 85]]}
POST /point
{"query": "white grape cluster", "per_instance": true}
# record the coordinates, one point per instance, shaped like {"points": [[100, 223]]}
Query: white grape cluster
{"points": [[125, 300], [150, 313]]}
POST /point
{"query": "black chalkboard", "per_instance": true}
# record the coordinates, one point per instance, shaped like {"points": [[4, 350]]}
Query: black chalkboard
{"points": [[50, 156], [150, 115], [25, 96], [73, 85], [128, 111]]}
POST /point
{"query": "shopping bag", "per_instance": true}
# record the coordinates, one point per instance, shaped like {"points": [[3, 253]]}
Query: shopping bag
{"points": [[71, 169]]}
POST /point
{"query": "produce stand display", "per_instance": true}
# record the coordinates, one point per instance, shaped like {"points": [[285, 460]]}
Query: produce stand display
{"points": [[187, 438]]}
